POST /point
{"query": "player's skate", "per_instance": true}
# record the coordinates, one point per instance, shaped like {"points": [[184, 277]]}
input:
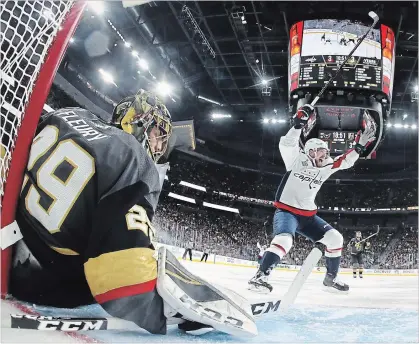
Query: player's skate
{"points": [[260, 283], [332, 284]]}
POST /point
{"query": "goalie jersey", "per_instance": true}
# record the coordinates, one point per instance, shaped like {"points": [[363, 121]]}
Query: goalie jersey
{"points": [[88, 196]]}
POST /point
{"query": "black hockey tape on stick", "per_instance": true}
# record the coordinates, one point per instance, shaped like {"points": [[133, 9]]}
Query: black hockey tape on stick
{"points": [[73, 324], [375, 18]]}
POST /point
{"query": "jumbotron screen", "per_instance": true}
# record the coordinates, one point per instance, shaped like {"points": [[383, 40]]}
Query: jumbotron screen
{"points": [[318, 48], [338, 141]]}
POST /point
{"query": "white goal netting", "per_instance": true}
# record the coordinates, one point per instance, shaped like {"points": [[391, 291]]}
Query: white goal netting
{"points": [[28, 29]]}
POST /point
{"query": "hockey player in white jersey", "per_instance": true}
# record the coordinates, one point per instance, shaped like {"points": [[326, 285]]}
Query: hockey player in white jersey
{"points": [[296, 210]]}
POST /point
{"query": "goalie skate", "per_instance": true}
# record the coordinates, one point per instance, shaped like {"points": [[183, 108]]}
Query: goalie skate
{"points": [[260, 283]]}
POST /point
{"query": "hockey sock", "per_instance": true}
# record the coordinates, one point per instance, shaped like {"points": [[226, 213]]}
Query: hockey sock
{"points": [[269, 261], [332, 265], [354, 272], [360, 271]]}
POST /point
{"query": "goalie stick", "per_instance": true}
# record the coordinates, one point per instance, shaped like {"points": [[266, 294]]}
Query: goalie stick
{"points": [[375, 18], [72, 324]]}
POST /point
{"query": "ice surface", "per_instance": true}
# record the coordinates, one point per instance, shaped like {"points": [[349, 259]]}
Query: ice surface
{"points": [[378, 309], [313, 45]]}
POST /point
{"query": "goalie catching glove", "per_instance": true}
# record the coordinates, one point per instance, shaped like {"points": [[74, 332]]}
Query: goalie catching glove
{"points": [[196, 305]]}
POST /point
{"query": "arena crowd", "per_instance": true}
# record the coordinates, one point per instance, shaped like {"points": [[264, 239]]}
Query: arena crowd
{"points": [[236, 236]]}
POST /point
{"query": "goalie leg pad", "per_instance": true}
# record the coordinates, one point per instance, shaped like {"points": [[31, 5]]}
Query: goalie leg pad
{"points": [[199, 301]]}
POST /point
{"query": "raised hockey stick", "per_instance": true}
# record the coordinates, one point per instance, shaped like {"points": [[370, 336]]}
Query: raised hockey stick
{"points": [[299, 280], [375, 17], [372, 235], [71, 324]]}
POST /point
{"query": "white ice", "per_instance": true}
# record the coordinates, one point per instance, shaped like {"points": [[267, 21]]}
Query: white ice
{"points": [[379, 308], [312, 45]]}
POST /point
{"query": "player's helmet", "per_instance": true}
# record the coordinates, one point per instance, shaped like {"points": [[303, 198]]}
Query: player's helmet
{"points": [[315, 144], [139, 114], [358, 234]]}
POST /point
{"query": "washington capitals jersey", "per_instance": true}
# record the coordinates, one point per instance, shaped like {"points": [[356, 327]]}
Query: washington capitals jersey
{"points": [[89, 194], [303, 180]]}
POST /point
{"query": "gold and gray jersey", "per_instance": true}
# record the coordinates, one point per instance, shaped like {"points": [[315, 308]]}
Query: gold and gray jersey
{"points": [[357, 246], [90, 191]]}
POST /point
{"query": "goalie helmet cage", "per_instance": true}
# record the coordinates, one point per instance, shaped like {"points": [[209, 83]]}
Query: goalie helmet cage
{"points": [[35, 36]]}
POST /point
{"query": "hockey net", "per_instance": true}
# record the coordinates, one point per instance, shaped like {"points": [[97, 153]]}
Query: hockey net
{"points": [[34, 36]]}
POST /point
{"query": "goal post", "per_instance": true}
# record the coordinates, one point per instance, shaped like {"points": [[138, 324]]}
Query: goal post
{"points": [[35, 36]]}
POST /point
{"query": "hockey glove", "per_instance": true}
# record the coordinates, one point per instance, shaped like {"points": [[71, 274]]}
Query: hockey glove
{"points": [[363, 139], [302, 116]]}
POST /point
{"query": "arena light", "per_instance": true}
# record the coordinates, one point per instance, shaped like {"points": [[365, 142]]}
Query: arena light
{"points": [[413, 126], [405, 116], [108, 78], [398, 125], [143, 64], [209, 100], [97, 6], [220, 115], [193, 186], [273, 120], [164, 88], [128, 44], [266, 120], [264, 82], [416, 88], [406, 126], [389, 125], [134, 53], [220, 207], [71, 40], [182, 198]]}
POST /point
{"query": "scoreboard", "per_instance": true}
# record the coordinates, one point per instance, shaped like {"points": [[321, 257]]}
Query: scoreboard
{"points": [[338, 141], [358, 73], [318, 48]]}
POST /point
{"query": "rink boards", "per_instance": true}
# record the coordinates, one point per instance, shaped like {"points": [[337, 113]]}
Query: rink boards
{"points": [[229, 261]]}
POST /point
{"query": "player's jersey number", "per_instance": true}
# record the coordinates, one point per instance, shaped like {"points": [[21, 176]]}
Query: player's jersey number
{"points": [[75, 166], [137, 219]]}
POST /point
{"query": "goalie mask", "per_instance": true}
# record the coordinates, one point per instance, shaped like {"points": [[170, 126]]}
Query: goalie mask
{"points": [[318, 152], [147, 118]]}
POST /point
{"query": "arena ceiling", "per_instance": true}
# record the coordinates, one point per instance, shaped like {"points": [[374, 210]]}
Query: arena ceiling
{"points": [[245, 45]]}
